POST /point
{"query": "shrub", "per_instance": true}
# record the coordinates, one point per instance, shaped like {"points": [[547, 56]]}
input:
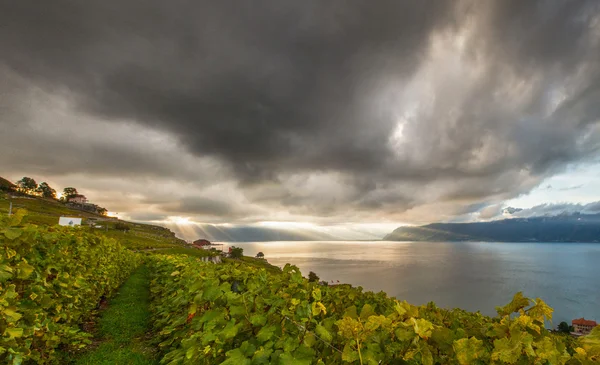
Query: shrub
{"points": [[236, 252], [120, 226]]}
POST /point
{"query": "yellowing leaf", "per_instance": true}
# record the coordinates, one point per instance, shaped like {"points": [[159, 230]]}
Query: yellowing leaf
{"points": [[375, 322], [518, 302], [323, 333], [316, 294], [547, 349], [540, 311], [318, 308], [348, 327], [528, 322], [6, 272], [468, 350], [16, 218], [422, 327], [12, 315], [310, 339], [349, 354], [12, 233], [366, 312], [14, 332], [24, 270]]}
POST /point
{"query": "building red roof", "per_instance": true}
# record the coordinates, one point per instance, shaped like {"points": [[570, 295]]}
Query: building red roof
{"points": [[202, 242], [584, 322]]}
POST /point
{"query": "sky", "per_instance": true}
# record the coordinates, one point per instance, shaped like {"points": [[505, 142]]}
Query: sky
{"points": [[351, 117]]}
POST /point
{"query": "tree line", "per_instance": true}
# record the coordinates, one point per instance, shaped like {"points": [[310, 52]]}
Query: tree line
{"points": [[29, 186]]}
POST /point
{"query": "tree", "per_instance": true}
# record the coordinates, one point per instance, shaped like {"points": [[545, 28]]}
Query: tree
{"points": [[120, 226], [27, 185], [563, 327], [69, 192], [312, 277], [236, 252], [260, 255], [102, 211], [46, 191]]}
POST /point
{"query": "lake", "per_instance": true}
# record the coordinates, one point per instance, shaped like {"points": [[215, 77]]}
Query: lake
{"points": [[469, 275]]}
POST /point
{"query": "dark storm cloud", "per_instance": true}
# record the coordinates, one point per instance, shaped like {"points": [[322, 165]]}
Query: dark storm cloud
{"points": [[147, 217], [406, 103], [201, 206], [265, 86]]}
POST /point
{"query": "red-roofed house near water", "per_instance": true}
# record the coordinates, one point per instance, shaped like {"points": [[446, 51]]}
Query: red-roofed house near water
{"points": [[583, 326]]}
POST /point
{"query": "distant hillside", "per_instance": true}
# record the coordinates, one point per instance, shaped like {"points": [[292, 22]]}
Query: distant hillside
{"points": [[562, 228], [42, 211], [5, 184]]}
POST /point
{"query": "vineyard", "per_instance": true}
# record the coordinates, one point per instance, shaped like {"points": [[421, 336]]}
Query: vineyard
{"points": [[226, 314], [51, 278]]}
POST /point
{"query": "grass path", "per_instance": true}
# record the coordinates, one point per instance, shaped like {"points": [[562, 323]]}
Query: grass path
{"points": [[123, 325]]}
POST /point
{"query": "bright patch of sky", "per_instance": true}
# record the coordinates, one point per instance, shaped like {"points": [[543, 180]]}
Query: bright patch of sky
{"points": [[578, 184]]}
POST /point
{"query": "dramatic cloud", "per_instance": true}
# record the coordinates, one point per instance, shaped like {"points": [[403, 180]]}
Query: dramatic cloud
{"points": [[553, 210], [329, 112]]}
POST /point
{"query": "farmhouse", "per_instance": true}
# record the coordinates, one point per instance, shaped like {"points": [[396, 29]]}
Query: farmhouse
{"points": [[583, 326], [78, 199]]}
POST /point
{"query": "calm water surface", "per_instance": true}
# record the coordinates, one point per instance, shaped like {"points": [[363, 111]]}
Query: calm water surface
{"points": [[469, 275]]}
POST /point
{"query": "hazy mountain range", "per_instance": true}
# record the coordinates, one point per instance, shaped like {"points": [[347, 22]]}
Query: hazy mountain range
{"points": [[574, 227], [216, 233], [566, 227]]}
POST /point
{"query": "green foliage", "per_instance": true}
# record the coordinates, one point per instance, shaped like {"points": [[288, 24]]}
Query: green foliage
{"points": [[589, 351], [27, 185], [236, 252], [260, 255], [120, 226], [50, 280], [255, 263], [185, 251], [69, 192], [236, 314], [46, 191], [563, 327], [313, 277]]}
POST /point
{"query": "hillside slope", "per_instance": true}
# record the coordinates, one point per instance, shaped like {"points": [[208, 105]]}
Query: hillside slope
{"points": [[5, 184], [42, 211], [562, 228]]}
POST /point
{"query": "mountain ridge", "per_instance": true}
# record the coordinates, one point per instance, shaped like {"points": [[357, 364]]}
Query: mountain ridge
{"points": [[561, 228]]}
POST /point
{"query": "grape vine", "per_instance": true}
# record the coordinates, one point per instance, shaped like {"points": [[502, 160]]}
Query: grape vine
{"points": [[232, 314], [50, 279]]}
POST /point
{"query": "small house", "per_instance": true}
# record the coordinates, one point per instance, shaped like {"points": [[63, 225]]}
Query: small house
{"points": [[78, 199], [583, 326]]}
